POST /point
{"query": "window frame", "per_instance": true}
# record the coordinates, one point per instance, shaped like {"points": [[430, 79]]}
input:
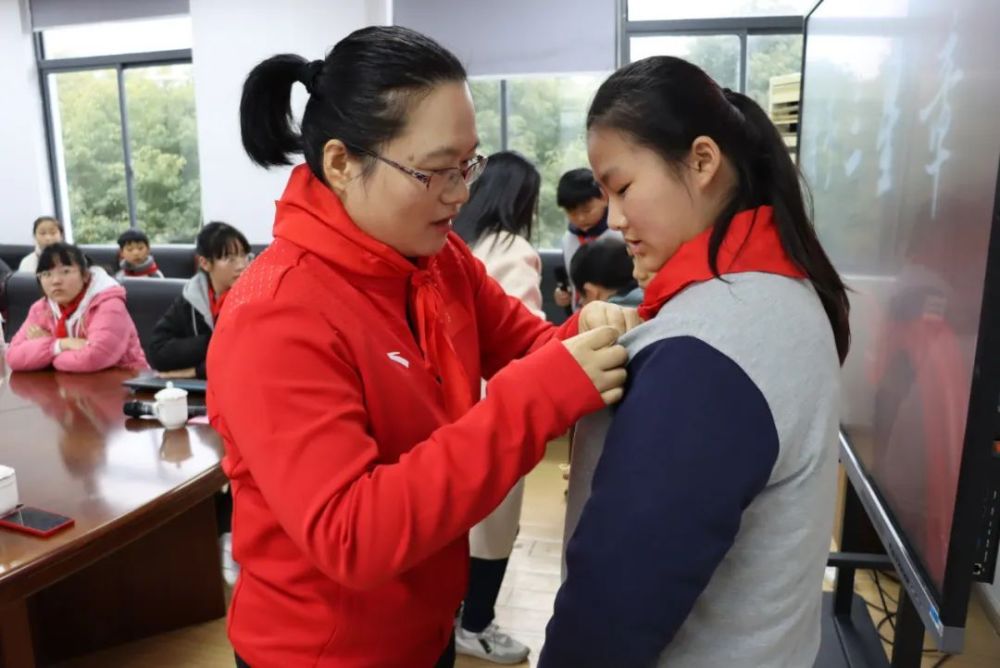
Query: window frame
{"points": [[743, 28], [119, 63]]}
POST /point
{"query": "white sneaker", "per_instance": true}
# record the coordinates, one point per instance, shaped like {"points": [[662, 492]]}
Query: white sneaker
{"points": [[492, 645]]}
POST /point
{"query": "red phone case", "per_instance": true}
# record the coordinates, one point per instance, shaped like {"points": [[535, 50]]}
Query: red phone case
{"points": [[36, 532]]}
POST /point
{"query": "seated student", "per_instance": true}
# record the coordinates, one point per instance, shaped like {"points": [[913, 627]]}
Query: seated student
{"points": [[136, 260], [603, 271], [81, 323], [47, 230], [586, 207], [180, 339]]}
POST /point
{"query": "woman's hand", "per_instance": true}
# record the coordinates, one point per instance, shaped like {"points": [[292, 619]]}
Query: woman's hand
{"points": [[37, 332], [72, 343], [602, 314], [602, 360], [178, 374]]}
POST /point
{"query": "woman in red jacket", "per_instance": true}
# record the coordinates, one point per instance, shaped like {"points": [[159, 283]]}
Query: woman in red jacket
{"points": [[358, 455]]}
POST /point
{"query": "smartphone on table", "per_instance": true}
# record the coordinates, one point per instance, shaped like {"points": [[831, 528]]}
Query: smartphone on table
{"points": [[35, 521]]}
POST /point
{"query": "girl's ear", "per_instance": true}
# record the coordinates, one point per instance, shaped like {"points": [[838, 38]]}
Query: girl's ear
{"points": [[705, 159]]}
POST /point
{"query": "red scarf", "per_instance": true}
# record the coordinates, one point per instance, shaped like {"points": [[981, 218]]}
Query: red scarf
{"points": [[215, 302], [66, 312], [145, 271], [751, 244], [309, 211]]}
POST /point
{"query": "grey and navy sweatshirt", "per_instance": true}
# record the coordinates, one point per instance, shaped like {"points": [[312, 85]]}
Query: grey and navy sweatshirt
{"points": [[707, 496]]}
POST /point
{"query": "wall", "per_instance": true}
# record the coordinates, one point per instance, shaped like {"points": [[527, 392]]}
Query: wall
{"points": [[229, 40], [25, 189], [518, 36]]}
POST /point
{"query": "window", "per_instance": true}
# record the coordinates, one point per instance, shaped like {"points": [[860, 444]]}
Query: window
{"points": [[122, 130], [547, 123], [486, 95], [768, 57], [106, 39], [657, 10], [87, 123], [750, 46], [543, 118], [719, 55], [164, 149]]}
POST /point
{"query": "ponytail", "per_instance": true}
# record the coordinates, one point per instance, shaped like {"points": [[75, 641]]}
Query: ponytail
{"points": [[767, 175], [359, 94], [266, 124]]}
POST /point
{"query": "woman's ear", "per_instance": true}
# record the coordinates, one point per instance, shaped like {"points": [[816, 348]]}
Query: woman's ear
{"points": [[339, 168], [204, 264]]}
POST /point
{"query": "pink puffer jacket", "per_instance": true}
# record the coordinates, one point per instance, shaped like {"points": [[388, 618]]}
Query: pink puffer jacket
{"points": [[102, 319]]}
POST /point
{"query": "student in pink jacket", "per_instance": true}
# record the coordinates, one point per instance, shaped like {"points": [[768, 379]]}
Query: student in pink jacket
{"points": [[81, 323]]}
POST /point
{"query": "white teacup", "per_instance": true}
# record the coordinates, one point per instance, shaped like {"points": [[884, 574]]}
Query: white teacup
{"points": [[8, 490], [171, 407]]}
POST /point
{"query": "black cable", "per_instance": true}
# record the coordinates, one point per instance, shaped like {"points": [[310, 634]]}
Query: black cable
{"points": [[875, 606], [892, 577], [881, 595], [878, 629], [942, 660], [891, 615]]}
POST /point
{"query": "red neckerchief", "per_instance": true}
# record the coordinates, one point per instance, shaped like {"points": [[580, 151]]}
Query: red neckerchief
{"points": [[66, 312], [215, 302], [311, 216], [751, 244], [590, 234], [148, 271]]}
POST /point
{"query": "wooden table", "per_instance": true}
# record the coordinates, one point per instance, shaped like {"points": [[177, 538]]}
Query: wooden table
{"points": [[143, 557]]}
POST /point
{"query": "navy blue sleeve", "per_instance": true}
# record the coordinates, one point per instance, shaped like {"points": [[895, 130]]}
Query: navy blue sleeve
{"points": [[691, 445]]}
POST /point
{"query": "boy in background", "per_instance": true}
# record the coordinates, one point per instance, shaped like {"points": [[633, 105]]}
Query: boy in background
{"points": [[586, 207], [135, 259]]}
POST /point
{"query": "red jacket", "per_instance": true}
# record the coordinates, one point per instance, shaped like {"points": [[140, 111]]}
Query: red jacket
{"points": [[353, 490]]}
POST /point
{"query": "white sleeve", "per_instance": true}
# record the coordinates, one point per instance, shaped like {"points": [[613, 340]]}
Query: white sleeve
{"points": [[29, 263], [518, 270]]}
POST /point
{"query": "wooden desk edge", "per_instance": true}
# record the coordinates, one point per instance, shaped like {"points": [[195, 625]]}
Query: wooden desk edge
{"points": [[23, 581]]}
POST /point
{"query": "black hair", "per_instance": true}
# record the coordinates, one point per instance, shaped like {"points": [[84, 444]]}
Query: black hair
{"points": [[577, 187], [359, 94], [43, 219], [503, 199], [664, 103], [604, 262], [62, 254], [132, 236], [217, 240]]}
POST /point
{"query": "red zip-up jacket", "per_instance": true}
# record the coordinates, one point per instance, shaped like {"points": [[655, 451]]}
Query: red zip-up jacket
{"points": [[353, 489]]}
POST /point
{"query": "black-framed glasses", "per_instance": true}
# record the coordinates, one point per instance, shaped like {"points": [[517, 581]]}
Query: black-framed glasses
{"points": [[452, 177]]}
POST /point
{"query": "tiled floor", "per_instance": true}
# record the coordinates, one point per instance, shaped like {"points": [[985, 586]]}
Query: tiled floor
{"points": [[525, 600]]}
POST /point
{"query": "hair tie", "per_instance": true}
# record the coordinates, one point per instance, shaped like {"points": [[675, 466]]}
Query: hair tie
{"points": [[308, 74], [732, 97]]}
